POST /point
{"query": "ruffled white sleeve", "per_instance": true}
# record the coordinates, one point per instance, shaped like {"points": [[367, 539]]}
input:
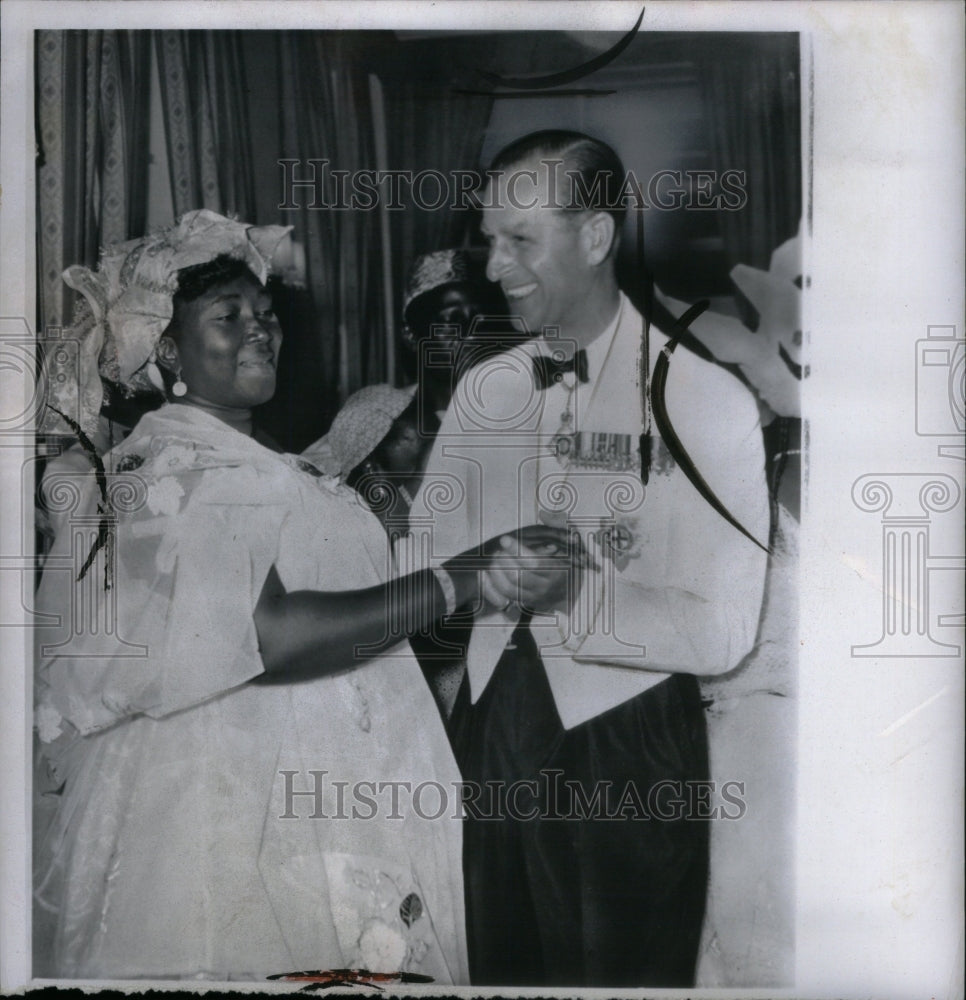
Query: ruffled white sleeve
{"points": [[176, 626]]}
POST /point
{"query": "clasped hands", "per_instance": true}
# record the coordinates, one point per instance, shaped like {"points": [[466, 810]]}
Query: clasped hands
{"points": [[537, 569]]}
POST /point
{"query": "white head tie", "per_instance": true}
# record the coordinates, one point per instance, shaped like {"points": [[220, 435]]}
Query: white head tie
{"points": [[131, 299]]}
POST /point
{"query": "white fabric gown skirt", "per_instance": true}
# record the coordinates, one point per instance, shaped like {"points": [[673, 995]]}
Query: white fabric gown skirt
{"points": [[180, 845]]}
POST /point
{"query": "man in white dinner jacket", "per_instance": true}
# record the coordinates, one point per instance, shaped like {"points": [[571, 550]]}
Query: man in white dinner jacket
{"points": [[586, 857]]}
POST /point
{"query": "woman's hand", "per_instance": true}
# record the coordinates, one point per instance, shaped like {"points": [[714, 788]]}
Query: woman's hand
{"points": [[304, 634], [537, 568]]}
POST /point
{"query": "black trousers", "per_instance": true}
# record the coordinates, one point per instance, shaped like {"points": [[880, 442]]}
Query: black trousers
{"points": [[561, 888]]}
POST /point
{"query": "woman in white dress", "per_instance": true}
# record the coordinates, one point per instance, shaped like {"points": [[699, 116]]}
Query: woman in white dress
{"points": [[246, 773]]}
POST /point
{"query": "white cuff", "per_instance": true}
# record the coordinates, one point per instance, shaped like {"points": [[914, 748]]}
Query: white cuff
{"points": [[445, 582]]}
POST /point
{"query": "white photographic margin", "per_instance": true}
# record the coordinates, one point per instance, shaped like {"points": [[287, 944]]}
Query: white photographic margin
{"points": [[880, 739]]}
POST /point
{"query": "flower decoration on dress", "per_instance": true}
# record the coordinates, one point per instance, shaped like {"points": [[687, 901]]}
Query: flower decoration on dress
{"points": [[48, 722], [130, 301], [128, 463], [164, 496], [381, 946], [380, 917], [176, 457]]}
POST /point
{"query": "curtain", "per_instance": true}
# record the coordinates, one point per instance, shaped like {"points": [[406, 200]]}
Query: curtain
{"points": [[92, 144], [326, 114], [751, 92], [204, 100], [436, 127], [752, 98], [314, 100]]}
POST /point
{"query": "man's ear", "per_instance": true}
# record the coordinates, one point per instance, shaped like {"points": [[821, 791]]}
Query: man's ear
{"points": [[597, 234]]}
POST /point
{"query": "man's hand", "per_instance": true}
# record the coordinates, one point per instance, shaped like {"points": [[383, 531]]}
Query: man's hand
{"points": [[537, 568]]}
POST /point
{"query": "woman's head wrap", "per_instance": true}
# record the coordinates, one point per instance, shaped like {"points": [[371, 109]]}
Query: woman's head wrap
{"points": [[131, 300], [432, 270], [362, 423]]}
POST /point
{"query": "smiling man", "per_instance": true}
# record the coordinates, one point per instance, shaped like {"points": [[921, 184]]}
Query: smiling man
{"points": [[553, 261], [581, 735]]}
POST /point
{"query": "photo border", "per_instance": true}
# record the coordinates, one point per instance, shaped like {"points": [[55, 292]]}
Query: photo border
{"points": [[880, 774]]}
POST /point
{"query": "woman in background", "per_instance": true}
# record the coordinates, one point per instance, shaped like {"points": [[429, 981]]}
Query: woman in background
{"points": [[453, 320], [378, 445]]}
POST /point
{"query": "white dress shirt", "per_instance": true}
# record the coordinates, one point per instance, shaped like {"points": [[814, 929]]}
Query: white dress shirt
{"points": [[678, 589]]}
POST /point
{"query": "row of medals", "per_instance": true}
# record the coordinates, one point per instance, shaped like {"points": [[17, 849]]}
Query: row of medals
{"points": [[592, 449]]}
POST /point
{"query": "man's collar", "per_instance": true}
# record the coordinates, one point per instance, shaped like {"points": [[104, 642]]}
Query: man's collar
{"points": [[598, 346]]}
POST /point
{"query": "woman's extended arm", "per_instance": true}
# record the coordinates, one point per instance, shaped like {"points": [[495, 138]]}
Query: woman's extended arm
{"points": [[305, 634]]}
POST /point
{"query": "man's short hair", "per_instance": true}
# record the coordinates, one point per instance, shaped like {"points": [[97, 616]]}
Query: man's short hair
{"points": [[591, 177]]}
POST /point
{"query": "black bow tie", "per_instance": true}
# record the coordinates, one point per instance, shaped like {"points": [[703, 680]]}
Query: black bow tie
{"points": [[547, 371]]}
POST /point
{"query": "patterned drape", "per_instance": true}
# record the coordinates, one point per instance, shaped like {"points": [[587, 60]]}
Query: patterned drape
{"points": [[314, 101], [92, 127], [204, 95], [326, 113]]}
